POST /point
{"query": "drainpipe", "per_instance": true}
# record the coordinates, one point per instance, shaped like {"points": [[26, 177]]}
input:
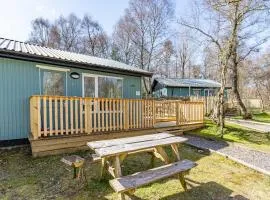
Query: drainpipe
{"points": [[189, 90]]}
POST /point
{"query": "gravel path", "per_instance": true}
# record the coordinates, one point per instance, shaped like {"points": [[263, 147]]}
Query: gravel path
{"points": [[259, 126], [257, 160]]}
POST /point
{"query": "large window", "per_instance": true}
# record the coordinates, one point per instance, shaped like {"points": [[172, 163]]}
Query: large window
{"points": [[54, 83], [197, 92], [102, 86], [110, 87], [89, 86]]}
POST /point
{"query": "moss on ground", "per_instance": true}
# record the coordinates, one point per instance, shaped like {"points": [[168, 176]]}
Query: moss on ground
{"points": [[215, 177]]}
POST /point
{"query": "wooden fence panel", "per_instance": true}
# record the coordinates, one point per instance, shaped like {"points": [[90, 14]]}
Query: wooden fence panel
{"points": [[54, 115]]}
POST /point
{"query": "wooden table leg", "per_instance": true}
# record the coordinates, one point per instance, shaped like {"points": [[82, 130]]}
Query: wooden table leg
{"points": [[161, 154], [118, 173], [181, 175], [103, 165], [176, 151]]}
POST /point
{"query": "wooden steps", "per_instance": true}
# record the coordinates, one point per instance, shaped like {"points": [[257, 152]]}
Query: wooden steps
{"points": [[139, 179], [72, 143]]}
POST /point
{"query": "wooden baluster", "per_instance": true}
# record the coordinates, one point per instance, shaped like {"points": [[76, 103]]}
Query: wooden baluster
{"points": [[137, 113], [134, 113], [81, 115], [45, 116], [102, 114], [76, 116], [66, 115], [50, 117], [110, 116], [127, 114], [56, 116], [142, 115], [106, 114], [117, 114], [95, 102], [71, 103], [99, 114], [121, 113], [61, 116], [86, 114], [113, 101]]}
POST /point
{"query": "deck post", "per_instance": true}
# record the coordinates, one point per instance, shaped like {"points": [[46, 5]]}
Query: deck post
{"points": [[35, 116]]}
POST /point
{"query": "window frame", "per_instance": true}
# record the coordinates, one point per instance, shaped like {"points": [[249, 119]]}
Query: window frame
{"points": [[96, 76], [197, 90], [47, 68]]}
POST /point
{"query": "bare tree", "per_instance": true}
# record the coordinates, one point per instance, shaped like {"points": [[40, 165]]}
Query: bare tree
{"points": [[94, 40], [41, 32], [123, 48], [184, 56], [69, 31], [149, 22], [165, 63]]}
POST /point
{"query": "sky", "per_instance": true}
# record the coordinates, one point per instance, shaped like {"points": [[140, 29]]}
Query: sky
{"points": [[16, 15]]}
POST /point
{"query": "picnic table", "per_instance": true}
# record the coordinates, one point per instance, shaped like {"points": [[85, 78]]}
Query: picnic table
{"points": [[113, 152]]}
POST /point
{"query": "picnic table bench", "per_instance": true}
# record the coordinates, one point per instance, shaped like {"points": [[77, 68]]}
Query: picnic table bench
{"points": [[113, 152]]}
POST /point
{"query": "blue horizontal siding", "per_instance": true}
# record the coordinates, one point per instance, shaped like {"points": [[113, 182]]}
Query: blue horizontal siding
{"points": [[20, 79]]}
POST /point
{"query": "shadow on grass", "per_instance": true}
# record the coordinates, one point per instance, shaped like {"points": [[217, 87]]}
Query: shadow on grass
{"points": [[209, 190]]}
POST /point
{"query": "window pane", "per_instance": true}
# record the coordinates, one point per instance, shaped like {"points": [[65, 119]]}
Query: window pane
{"points": [[54, 83], [110, 87], [89, 86], [196, 92]]}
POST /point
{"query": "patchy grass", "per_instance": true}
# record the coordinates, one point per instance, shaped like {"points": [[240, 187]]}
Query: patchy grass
{"points": [[215, 177], [238, 134], [258, 116]]}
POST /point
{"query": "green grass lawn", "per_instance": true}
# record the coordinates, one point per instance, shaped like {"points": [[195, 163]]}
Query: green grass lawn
{"points": [[215, 177], [258, 116], [236, 133]]}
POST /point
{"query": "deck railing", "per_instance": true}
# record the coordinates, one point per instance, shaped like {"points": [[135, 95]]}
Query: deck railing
{"points": [[58, 115]]}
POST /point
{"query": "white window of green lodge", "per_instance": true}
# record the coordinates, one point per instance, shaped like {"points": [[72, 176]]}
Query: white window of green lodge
{"points": [[102, 86]]}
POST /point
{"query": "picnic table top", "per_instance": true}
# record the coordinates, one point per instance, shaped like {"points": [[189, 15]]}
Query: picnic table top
{"points": [[105, 148]]}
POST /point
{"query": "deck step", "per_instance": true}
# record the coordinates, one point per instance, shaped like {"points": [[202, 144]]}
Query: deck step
{"points": [[136, 180]]}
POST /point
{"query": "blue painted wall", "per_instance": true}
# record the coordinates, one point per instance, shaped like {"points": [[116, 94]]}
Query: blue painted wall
{"points": [[20, 79]]}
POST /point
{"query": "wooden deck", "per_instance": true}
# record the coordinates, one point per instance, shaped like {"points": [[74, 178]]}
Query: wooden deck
{"points": [[64, 124]]}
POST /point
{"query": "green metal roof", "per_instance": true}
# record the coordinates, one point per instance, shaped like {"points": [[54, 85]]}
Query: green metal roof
{"points": [[26, 51]]}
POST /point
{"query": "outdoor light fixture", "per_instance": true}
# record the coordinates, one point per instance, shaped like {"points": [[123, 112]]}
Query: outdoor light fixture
{"points": [[74, 75]]}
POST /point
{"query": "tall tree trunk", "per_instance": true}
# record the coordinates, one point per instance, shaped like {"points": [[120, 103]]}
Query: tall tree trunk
{"points": [[221, 116], [235, 65], [183, 70], [147, 90]]}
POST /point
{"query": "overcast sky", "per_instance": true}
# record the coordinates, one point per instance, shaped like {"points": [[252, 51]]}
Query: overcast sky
{"points": [[16, 15]]}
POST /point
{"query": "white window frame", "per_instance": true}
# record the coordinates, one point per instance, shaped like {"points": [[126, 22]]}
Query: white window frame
{"points": [[50, 68], [200, 90], [96, 76]]}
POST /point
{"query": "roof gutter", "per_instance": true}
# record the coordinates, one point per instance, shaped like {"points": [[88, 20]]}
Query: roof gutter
{"points": [[67, 63]]}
